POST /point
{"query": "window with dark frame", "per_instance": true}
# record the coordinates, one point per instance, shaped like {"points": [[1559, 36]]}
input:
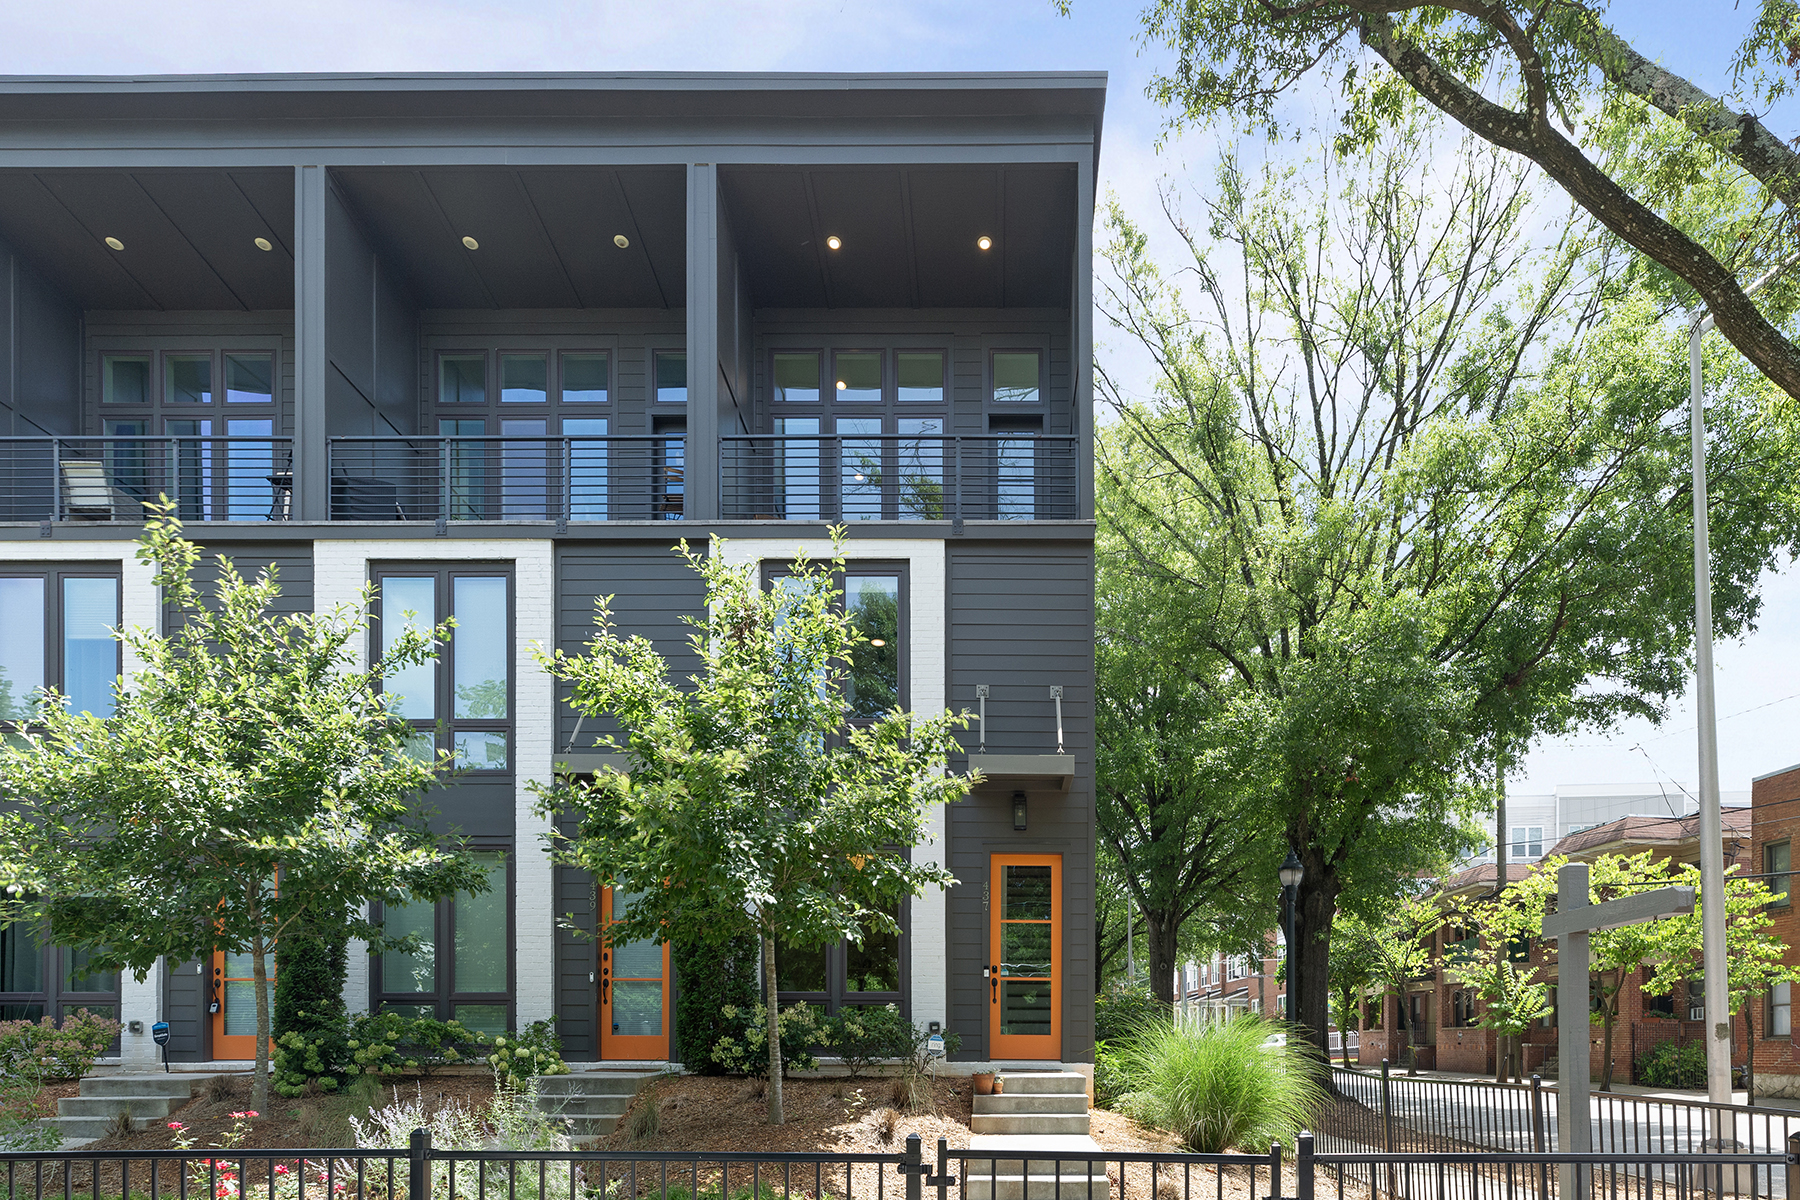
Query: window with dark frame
{"points": [[56, 625], [1780, 1022], [462, 967], [1777, 863], [462, 701]]}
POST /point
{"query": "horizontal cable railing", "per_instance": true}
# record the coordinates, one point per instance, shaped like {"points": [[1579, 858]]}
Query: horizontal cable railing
{"points": [[898, 477], [508, 478], [235, 478], [1060, 1169]]}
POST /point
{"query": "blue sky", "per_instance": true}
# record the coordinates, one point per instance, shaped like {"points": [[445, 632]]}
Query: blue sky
{"points": [[1759, 692]]}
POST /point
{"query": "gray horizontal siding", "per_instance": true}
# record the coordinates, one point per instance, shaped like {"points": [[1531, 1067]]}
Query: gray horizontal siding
{"points": [[1021, 618], [575, 995]]}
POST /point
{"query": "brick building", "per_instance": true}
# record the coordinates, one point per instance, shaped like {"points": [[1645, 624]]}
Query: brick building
{"points": [[1775, 819]]}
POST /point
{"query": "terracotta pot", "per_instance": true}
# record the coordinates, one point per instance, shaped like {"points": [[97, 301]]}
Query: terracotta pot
{"points": [[999, 1084], [985, 1083]]}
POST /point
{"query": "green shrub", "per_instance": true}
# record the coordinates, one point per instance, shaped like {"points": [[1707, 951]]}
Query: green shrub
{"points": [[745, 1050], [1120, 1011], [387, 1043], [40, 1050], [1219, 1087], [1112, 1079], [1671, 1065], [708, 980], [864, 1035], [310, 1028], [518, 1058]]}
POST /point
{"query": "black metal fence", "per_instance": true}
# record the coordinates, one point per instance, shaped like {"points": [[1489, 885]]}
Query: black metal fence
{"points": [[1001, 1172], [508, 478], [236, 478], [1402, 1113], [898, 477]]}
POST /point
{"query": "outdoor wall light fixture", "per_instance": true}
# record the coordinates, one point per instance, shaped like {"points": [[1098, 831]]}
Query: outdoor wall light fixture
{"points": [[878, 642], [835, 243], [1019, 812], [263, 244], [984, 242], [470, 243], [115, 243]]}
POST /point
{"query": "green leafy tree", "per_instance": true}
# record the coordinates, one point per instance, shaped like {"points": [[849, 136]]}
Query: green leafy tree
{"points": [[1352, 975], [1175, 808], [1396, 950], [250, 782], [1412, 487], [1525, 78], [1491, 960], [1668, 948], [754, 805]]}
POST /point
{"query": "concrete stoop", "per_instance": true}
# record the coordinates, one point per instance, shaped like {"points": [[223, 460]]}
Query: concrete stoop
{"points": [[590, 1101], [1037, 1116], [144, 1098]]}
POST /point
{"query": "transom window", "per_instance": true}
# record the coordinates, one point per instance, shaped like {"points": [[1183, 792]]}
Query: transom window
{"points": [[482, 391], [56, 628], [1018, 376], [461, 969], [462, 701], [896, 379]]}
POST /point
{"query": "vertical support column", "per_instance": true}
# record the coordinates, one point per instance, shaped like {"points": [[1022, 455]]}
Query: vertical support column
{"points": [[702, 498], [1574, 1083], [312, 473], [1081, 337]]}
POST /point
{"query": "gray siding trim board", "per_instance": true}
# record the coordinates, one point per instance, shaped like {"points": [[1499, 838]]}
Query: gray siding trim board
{"points": [[665, 532]]}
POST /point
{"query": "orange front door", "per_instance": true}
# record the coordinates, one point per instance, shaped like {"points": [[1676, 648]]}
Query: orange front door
{"points": [[234, 1005], [1025, 956], [634, 992]]}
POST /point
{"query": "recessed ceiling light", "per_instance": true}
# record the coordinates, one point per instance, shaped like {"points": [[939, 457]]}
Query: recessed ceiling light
{"points": [[470, 243], [834, 242], [264, 244], [115, 243], [842, 385], [985, 242], [621, 241]]}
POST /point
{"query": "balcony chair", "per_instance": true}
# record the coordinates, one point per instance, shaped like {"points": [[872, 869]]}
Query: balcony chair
{"points": [[88, 495]]}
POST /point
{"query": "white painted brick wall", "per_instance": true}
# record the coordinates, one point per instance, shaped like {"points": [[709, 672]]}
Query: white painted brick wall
{"points": [[340, 569], [927, 610]]}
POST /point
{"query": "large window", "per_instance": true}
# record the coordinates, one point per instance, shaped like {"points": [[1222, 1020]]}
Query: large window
{"points": [[196, 425], [56, 628], [874, 597], [462, 968], [462, 701], [39, 979], [1527, 842], [868, 970]]}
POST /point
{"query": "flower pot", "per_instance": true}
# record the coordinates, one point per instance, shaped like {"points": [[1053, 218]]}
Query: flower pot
{"points": [[999, 1084], [985, 1083]]}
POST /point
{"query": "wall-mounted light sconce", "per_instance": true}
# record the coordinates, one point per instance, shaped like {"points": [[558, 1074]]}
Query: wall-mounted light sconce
{"points": [[981, 694], [1018, 812]]}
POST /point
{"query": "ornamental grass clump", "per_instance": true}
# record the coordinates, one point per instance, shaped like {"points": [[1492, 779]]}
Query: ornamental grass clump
{"points": [[1221, 1087]]}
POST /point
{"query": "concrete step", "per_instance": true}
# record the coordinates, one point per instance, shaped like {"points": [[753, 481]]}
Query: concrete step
{"points": [[1067, 1168], [595, 1083], [1042, 1083], [583, 1106], [1054, 1123], [145, 1107], [584, 1128], [1007, 1104], [174, 1086], [90, 1128], [1039, 1187]]}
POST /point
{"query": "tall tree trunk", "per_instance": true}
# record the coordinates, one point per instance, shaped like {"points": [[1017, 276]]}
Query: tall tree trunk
{"points": [[259, 967], [774, 1029], [1309, 994], [1160, 930], [1501, 1047]]}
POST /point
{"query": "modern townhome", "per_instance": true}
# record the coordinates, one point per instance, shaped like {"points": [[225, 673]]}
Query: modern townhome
{"points": [[493, 343]]}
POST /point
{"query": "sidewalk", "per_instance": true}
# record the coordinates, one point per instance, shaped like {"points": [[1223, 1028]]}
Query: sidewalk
{"points": [[1688, 1095]]}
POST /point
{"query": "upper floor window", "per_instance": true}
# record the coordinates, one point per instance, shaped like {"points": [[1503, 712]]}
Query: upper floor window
{"points": [[1018, 376], [860, 379], [1527, 841], [873, 596], [156, 389], [56, 628], [462, 701], [671, 378], [526, 385], [1777, 862]]}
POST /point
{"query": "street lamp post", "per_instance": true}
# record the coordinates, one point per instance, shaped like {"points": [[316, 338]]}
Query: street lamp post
{"points": [[1290, 873], [1712, 842]]}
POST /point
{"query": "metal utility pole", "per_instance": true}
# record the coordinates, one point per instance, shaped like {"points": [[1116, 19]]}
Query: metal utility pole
{"points": [[1712, 840]]}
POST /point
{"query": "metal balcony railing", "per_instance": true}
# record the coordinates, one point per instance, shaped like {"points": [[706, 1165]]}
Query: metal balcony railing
{"points": [[898, 477], [113, 478], [508, 478]]}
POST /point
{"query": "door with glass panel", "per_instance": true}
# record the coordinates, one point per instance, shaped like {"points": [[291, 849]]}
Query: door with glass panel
{"points": [[233, 1004], [634, 990], [1025, 956]]}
